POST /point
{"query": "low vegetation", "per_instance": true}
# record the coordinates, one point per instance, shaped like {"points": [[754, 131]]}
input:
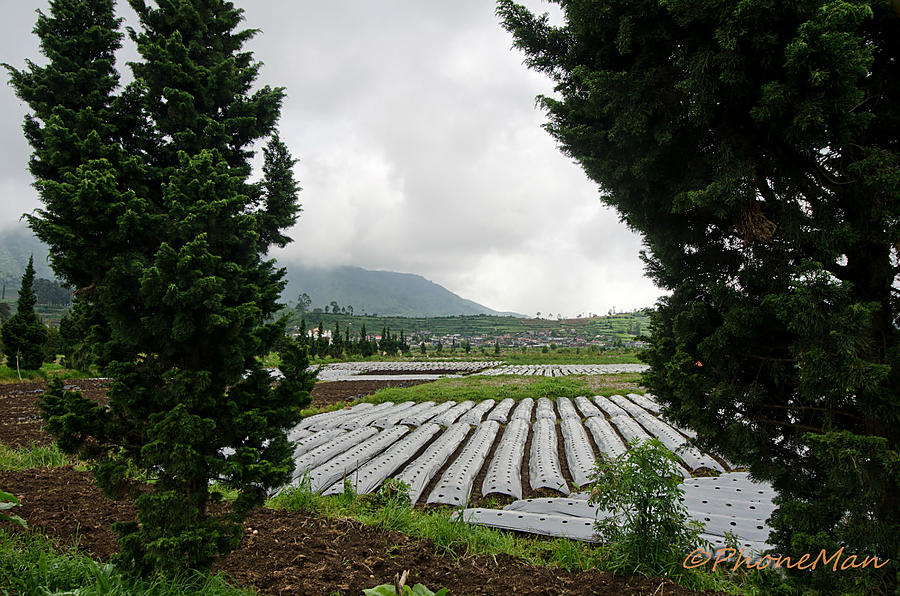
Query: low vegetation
{"points": [[31, 564], [478, 388]]}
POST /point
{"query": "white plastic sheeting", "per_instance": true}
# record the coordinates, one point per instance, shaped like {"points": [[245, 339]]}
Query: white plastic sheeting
{"points": [[417, 474], [562, 526], [326, 451], [504, 473], [455, 485], [369, 419], [605, 437], [544, 409], [544, 470], [646, 401], [565, 408], [579, 454], [523, 410], [396, 415], [323, 420], [587, 408], [678, 444], [608, 407], [451, 415], [351, 415], [501, 412], [560, 370], [426, 414], [373, 473], [312, 441], [344, 464], [475, 415]]}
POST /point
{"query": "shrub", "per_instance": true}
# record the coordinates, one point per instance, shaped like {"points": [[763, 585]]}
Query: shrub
{"points": [[649, 530]]}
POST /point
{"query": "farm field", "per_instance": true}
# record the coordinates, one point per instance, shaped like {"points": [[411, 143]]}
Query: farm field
{"points": [[305, 543]]}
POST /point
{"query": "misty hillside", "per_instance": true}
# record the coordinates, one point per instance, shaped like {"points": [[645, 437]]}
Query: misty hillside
{"points": [[381, 292], [16, 245]]}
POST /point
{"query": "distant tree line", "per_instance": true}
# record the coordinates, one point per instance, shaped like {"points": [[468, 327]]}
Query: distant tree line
{"points": [[48, 292], [344, 344]]}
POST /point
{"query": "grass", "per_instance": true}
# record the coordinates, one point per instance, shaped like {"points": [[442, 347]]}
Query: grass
{"points": [[49, 370], [31, 564], [25, 458], [456, 539], [477, 388]]}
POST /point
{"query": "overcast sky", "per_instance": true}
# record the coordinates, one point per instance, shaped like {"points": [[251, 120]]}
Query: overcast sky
{"points": [[420, 148]]}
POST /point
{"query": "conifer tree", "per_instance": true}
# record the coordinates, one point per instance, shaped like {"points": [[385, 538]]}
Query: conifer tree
{"points": [[755, 146], [150, 213], [23, 334]]}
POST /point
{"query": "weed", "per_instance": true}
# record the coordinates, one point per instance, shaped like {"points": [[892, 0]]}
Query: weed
{"points": [[33, 456], [7, 502], [31, 564], [649, 530]]}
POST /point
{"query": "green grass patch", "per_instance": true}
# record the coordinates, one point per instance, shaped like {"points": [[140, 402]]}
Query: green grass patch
{"points": [[25, 458], [31, 564], [50, 370], [477, 388]]}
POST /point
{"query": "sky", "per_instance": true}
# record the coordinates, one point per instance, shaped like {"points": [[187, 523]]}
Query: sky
{"points": [[420, 150]]}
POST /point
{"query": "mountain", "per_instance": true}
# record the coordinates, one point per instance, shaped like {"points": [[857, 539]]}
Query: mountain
{"points": [[16, 245], [381, 292]]}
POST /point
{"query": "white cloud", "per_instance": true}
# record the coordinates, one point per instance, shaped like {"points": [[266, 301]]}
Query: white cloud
{"points": [[420, 151]]}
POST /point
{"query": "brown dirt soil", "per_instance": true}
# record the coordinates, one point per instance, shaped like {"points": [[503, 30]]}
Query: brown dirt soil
{"points": [[20, 420], [290, 553], [332, 392]]}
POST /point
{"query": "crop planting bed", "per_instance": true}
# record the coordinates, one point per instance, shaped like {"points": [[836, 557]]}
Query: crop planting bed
{"points": [[376, 371], [455, 453], [562, 370]]}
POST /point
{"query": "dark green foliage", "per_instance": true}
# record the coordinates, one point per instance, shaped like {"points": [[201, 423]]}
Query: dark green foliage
{"points": [[5, 312], [73, 329], [52, 293], [24, 334], [150, 214], [755, 146], [52, 344], [649, 528]]}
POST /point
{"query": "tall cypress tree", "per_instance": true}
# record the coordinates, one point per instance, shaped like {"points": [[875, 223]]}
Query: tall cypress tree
{"points": [[24, 334], [754, 144], [150, 212]]}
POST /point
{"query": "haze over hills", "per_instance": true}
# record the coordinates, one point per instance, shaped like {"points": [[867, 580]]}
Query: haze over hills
{"points": [[382, 292]]}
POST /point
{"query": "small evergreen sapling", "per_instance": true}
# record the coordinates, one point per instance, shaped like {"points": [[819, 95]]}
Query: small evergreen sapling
{"points": [[23, 334]]}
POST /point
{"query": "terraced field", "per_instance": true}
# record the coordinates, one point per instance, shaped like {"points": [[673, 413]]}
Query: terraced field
{"points": [[452, 453]]}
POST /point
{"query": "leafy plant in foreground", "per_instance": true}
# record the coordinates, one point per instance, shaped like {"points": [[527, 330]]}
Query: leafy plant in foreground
{"points": [[399, 588], [7, 502], [649, 529]]}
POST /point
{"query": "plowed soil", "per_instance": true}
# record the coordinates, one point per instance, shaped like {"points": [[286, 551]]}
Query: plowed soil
{"points": [[332, 392], [290, 553], [20, 420], [283, 552]]}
